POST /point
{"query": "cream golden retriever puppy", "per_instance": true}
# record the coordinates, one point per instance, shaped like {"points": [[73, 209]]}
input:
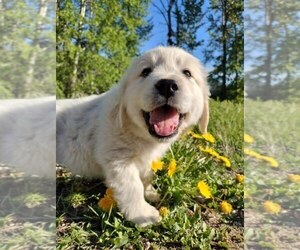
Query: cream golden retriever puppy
{"points": [[27, 135], [118, 134]]}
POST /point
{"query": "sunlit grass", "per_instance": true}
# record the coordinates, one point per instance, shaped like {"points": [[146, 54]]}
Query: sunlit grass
{"points": [[27, 211], [271, 170], [191, 218]]}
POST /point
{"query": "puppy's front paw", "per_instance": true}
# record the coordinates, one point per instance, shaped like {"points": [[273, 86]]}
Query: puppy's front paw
{"points": [[144, 215], [152, 195]]}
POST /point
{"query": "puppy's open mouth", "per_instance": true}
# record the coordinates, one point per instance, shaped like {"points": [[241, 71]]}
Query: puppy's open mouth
{"points": [[163, 122]]}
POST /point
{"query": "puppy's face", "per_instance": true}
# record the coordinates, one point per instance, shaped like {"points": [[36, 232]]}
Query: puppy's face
{"points": [[165, 93]]}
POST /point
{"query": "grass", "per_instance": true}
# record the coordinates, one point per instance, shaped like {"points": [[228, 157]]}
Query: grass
{"points": [[192, 221], [27, 211], [276, 132]]}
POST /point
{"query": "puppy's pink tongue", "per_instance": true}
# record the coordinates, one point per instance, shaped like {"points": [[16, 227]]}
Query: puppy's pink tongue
{"points": [[165, 120]]}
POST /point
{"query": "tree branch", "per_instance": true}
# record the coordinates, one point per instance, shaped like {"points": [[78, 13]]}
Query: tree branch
{"points": [[161, 12]]}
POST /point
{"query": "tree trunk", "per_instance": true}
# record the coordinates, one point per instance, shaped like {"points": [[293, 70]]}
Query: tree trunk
{"points": [[2, 20], [36, 46], [268, 61], [178, 25], [2, 9], [288, 70], [223, 94], [236, 61], [78, 44], [169, 18]]}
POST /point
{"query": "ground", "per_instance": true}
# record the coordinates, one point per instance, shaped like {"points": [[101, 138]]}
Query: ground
{"points": [[194, 218], [191, 221], [274, 127], [27, 211]]}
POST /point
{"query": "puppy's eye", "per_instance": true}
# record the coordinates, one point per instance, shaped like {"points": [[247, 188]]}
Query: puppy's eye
{"points": [[146, 72], [187, 73]]}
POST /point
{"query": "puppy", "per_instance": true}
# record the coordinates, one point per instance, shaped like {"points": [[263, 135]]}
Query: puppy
{"points": [[118, 134], [27, 135]]}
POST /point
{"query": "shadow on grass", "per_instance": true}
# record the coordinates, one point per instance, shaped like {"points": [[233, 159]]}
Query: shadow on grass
{"points": [[27, 211], [77, 207]]}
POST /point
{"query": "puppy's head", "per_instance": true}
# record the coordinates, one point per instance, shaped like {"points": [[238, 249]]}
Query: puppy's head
{"points": [[164, 93]]}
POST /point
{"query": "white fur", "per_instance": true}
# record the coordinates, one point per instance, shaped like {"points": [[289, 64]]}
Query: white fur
{"points": [[106, 136], [27, 135]]}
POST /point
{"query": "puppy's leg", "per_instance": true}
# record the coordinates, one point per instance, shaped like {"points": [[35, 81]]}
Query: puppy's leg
{"points": [[150, 193], [129, 195]]}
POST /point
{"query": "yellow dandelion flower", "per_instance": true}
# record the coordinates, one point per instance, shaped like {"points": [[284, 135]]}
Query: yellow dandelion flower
{"points": [[270, 160], [272, 207], [190, 132], [109, 192], [204, 189], [163, 211], [294, 178], [240, 178], [212, 152], [209, 151], [194, 135], [225, 160], [172, 168], [209, 137], [250, 152], [248, 138], [157, 165], [106, 203], [226, 207]]}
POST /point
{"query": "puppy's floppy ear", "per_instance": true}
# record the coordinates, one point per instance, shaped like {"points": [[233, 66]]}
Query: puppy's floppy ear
{"points": [[203, 122], [118, 114]]}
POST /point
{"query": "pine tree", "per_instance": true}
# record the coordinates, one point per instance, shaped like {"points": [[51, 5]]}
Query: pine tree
{"points": [[287, 56], [225, 48], [272, 36], [183, 19]]}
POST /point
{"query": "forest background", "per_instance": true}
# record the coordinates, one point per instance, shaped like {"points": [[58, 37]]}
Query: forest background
{"points": [[96, 40]]}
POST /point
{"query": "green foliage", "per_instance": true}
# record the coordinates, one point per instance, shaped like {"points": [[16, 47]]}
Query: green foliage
{"points": [[193, 222], [27, 47], [75, 199], [226, 49], [95, 42]]}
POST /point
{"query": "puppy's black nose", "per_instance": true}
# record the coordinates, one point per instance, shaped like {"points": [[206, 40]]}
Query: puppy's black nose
{"points": [[166, 87]]}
